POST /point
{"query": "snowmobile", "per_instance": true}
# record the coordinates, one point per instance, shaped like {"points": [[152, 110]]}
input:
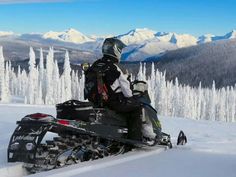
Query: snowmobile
{"points": [[82, 132]]}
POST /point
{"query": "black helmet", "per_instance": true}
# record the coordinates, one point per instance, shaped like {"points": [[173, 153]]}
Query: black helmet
{"points": [[113, 47]]}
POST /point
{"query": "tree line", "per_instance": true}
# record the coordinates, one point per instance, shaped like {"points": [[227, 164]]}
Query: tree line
{"points": [[45, 85]]}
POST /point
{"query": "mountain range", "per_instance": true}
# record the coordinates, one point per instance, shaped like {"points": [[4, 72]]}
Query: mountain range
{"points": [[193, 60], [142, 43], [205, 63]]}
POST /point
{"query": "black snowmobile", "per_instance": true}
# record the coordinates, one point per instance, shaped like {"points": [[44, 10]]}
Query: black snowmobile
{"points": [[82, 132]]}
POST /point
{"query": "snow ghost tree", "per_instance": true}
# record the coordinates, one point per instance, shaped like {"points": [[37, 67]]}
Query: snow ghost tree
{"points": [[41, 72], [33, 79], [49, 80], [67, 77], [175, 100], [45, 85], [4, 80], [2, 70]]}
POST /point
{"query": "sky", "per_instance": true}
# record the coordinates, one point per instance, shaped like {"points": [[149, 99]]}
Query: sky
{"points": [[102, 17]]}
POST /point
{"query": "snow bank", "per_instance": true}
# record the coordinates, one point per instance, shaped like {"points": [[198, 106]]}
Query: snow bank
{"points": [[13, 170], [108, 162], [210, 152]]}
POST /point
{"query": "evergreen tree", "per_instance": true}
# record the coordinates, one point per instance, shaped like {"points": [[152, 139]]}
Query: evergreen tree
{"points": [[168, 97], [56, 81], [67, 77], [2, 75], [4, 79], [49, 81], [33, 79]]}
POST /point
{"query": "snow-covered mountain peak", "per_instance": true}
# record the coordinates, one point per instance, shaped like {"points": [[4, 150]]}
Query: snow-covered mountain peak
{"points": [[142, 31], [208, 35], [143, 50], [72, 30], [164, 36], [160, 34], [205, 38], [137, 35], [70, 35], [6, 33], [231, 35], [142, 42], [52, 35], [174, 38], [183, 40], [74, 36]]}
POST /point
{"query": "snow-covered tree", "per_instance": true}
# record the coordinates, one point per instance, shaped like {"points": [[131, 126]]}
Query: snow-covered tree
{"points": [[40, 86], [49, 80], [152, 85], [33, 79], [7, 83], [41, 66], [2, 74], [4, 79], [56, 85], [42, 77], [67, 77]]}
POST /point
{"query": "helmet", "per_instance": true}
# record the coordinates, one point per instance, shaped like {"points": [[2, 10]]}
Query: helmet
{"points": [[113, 47]]}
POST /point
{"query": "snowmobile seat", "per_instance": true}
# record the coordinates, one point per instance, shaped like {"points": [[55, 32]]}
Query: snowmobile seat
{"points": [[87, 112], [74, 109]]}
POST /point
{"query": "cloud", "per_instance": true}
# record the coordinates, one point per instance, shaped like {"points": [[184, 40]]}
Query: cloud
{"points": [[31, 1]]}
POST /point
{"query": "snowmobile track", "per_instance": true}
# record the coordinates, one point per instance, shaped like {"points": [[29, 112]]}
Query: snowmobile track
{"points": [[64, 151], [109, 161]]}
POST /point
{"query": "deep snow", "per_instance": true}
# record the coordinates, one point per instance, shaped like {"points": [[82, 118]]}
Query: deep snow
{"points": [[210, 152]]}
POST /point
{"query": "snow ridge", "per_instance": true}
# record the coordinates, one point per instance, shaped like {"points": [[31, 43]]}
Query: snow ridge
{"points": [[70, 35], [6, 33], [132, 37], [137, 35], [143, 43], [102, 163], [183, 40]]}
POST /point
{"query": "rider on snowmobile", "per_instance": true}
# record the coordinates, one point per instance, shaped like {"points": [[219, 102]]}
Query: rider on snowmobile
{"points": [[119, 97]]}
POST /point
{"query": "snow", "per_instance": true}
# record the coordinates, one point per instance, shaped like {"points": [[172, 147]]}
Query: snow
{"points": [[148, 48], [6, 33], [211, 151], [110, 162], [143, 43], [210, 37], [70, 35], [230, 35], [173, 163], [9, 114], [165, 37], [169, 98], [183, 40], [205, 38], [134, 39], [137, 35]]}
